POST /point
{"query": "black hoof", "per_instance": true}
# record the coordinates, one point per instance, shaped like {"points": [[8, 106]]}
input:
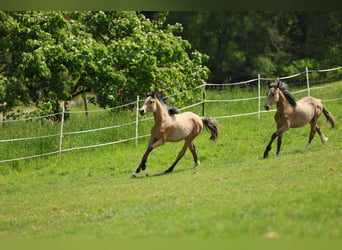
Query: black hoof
{"points": [[265, 155]]}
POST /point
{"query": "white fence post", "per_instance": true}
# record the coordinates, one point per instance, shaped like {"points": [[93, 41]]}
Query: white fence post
{"points": [[61, 132], [204, 97], [259, 97], [307, 80], [137, 122]]}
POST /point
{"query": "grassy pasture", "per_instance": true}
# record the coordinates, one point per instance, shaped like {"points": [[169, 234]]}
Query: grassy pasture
{"points": [[234, 193]]}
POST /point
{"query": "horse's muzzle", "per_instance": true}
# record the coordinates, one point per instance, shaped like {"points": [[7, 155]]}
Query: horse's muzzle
{"points": [[142, 112], [267, 107]]}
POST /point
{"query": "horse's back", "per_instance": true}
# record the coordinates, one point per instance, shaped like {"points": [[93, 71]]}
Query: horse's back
{"points": [[310, 100]]}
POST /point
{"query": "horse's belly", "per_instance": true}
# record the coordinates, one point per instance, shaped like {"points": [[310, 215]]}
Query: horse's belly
{"points": [[178, 133]]}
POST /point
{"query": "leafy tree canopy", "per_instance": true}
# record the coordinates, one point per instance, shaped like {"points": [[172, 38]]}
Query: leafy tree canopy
{"points": [[51, 56]]}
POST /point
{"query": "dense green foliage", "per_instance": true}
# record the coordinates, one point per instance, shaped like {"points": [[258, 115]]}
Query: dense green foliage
{"points": [[243, 44], [53, 56]]}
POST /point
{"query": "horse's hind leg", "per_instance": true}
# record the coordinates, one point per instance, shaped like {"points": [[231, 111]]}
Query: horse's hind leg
{"points": [[321, 135], [313, 129], [180, 155], [194, 154], [311, 136]]}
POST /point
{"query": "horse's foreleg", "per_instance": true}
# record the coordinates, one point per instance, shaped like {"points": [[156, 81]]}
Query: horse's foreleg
{"points": [[152, 145], [142, 164], [194, 154], [279, 132], [180, 155], [269, 146], [279, 143]]}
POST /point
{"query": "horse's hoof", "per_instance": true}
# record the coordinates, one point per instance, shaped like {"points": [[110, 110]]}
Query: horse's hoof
{"points": [[196, 164], [134, 175], [265, 155]]}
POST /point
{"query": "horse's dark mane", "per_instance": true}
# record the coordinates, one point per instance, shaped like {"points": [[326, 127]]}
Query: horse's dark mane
{"points": [[283, 88], [164, 100]]}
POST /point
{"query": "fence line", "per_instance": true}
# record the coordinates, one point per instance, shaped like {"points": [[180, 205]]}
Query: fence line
{"points": [[101, 110], [325, 70], [235, 100], [31, 118], [137, 120], [29, 138], [291, 76], [231, 84]]}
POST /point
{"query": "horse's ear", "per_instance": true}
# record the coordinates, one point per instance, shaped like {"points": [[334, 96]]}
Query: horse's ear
{"points": [[153, 95], [272, 84], [278, 83]]}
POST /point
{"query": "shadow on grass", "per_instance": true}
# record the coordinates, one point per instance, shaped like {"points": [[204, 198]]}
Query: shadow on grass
{"points": [[142, 175]]}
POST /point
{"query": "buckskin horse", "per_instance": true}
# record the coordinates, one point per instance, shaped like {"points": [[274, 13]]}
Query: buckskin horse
{"points": [[169, 126], [294, 114]]}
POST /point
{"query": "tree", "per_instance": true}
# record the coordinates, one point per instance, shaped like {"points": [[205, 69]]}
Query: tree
{"points": [[44, 57], [242, 44], [51, 56], [239, 43], [142, 56]]}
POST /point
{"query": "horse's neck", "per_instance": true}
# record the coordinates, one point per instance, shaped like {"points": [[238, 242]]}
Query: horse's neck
{"points": [[161, 114], [282, 104]]}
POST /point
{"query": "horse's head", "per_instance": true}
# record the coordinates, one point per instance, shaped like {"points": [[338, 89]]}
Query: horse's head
{"points": [[272, 95], [149, 104]]}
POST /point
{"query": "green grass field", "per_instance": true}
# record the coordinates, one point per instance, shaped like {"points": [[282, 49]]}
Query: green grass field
{"points": [[234, 193]]}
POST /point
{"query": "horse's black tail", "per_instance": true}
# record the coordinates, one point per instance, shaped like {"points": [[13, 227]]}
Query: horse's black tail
{"points": [[212, 125], [329, 117]]}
